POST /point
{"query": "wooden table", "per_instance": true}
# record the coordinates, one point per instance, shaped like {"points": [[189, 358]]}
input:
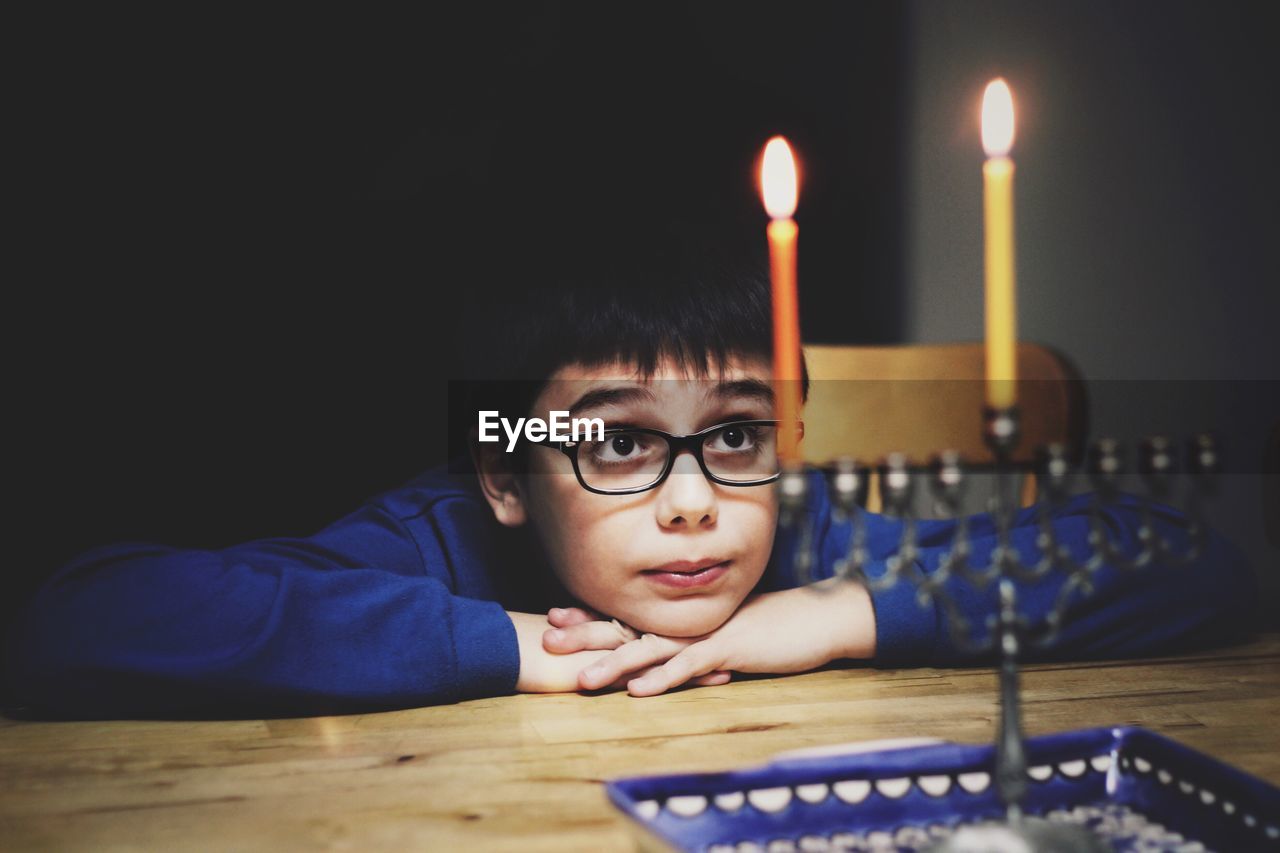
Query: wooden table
{"points": [[525, 772]]}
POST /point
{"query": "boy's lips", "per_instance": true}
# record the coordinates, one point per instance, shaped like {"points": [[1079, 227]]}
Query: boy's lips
{"points": [[683, 573], [686, 566]]}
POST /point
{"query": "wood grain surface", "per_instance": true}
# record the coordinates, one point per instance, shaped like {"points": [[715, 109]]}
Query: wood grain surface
{"points": [[525, 772]]}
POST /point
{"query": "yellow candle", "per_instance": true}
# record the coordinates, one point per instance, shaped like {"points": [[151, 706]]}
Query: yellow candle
{"points": [[778, 182], [1001, 302]]}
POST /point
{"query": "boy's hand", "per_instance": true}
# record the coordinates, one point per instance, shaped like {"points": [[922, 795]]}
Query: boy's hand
{"points": [[574, 629], [546, 671], [794, 630], [577, 629], [542, 671]]}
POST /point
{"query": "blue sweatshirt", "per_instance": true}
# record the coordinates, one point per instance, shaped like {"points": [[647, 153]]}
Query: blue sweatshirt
{"points": [[402, 603]]}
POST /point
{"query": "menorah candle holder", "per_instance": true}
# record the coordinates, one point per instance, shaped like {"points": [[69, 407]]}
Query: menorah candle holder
{"points": [[1008, 633]]}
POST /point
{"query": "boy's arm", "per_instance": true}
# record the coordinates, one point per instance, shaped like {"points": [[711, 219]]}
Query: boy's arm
{"points": [[349, 618], [788, 631], [1150, 610]]}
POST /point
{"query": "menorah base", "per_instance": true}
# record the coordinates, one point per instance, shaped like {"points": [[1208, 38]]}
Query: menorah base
{"points": [[1029, 835]]}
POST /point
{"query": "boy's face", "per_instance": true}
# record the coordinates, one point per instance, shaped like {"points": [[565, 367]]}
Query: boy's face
{"points": [[606, 548]]}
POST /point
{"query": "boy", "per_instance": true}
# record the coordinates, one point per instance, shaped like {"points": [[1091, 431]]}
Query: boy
{"points": [[646, 559]]}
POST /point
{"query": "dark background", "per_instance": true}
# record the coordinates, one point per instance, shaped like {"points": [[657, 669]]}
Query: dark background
{"points": [[251, 232], [245, 234], [1148, 202]]}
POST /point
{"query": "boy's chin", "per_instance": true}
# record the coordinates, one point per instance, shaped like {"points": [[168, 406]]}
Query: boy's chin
{"points": [[691, 617]]}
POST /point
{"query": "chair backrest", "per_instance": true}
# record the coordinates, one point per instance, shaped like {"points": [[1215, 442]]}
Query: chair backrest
{"points": [[866, 402]]}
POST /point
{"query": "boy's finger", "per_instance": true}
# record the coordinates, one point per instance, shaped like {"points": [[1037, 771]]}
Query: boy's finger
{"points": [[582, 637], [648, 650], [564, 617], [621, 682], [711, 679], [687, 665]]}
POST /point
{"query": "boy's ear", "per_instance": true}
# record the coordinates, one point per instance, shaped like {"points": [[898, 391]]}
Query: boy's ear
{"points": [[499, 484]]}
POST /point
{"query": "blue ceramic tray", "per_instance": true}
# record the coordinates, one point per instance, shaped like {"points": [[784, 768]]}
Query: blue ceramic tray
{"points": [[1136, 789]]}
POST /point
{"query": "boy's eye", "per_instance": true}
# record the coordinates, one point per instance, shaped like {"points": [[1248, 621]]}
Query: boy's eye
{"points": [[732, 438], [625, 447]]}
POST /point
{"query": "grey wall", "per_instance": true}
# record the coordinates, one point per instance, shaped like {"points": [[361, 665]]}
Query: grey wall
{"points": [[1146, 209], [1146, 184]]}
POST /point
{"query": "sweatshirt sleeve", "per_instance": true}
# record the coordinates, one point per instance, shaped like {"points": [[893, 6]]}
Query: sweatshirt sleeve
{"points": [[351, 618], [1158, 608]]}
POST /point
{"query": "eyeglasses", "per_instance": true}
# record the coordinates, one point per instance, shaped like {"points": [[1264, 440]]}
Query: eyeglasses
{"points": [[634, 459]]}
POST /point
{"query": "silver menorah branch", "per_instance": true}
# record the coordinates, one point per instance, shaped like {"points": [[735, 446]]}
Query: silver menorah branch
{"points": [[1008, 632]]}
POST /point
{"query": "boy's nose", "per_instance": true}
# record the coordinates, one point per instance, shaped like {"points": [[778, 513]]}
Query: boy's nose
{"points": [[687, 498]]}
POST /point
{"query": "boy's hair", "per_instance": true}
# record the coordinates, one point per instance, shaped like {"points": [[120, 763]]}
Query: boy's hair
{"points": [[679, 292]]}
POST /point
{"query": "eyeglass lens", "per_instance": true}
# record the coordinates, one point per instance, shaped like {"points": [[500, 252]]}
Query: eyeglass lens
{"points": [[629, 460]]}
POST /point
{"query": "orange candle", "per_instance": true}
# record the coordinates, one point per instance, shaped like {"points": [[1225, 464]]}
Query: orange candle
{"points": [[1001, 303], [778, 183]]}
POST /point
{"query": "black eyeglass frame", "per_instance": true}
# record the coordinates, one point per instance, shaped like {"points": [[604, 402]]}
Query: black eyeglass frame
{"points": [[675, 444]]}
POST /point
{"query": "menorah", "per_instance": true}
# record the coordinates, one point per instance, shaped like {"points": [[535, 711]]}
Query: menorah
{"points": [[1008, 633]]}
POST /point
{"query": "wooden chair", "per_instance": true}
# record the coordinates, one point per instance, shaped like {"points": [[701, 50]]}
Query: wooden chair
{"points": [[867, 402]]}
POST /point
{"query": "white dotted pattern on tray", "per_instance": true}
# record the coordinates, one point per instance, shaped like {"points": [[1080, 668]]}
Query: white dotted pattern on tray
{"points": [[854, 791], [1121, 827]]}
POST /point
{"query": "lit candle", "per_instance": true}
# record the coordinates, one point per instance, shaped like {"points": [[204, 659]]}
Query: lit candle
{"points": [[778, 185], [1001, 305]]}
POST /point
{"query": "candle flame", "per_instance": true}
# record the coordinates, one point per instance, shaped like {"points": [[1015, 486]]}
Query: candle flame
{"points": [[997, 118], [778, 181]]}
